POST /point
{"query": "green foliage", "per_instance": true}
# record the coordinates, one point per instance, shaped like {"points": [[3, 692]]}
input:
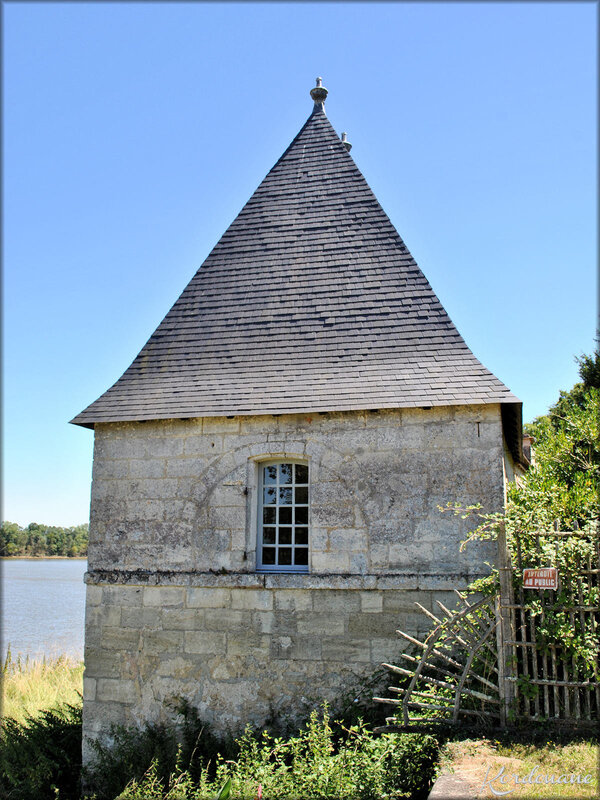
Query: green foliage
{"points": [[41, 757], [154, 753], [560, 488], [318, 762], [43, 540]]}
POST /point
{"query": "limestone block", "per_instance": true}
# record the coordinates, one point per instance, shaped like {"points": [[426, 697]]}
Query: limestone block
{"points": [[371, 602], [137, 510], [248, 644], [186, 466], [122, 595], [203, 642], [209, 446], [110, 690], [226, 619], [330, 562], [138, 617], [164, 596], [147, 468], [319, 624], [336, 602], [177, 668], [161, 447], [160, 641], [96, 616], [120, 638], [100, 663], [181, 619], [293, 600], [275, 622], [211, 425], [108, 468], [367, 625], [402, 602], [252, 599], [295, 648], [208, 598], [348, 539], [89, 689], [348, 651], [228, 517], [93, 595]]}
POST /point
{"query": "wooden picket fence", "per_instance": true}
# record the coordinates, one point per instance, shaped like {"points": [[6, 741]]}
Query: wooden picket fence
{"points": [[485, 661], [541, 680]]}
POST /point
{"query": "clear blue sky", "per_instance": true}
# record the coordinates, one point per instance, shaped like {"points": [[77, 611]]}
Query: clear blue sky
{"points": [[134, 133]]}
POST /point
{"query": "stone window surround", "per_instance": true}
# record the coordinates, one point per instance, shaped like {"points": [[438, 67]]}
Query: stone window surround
{"points": [[261, 505], [254, 505]]}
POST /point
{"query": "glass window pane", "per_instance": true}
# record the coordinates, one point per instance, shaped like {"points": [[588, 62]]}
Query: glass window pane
{"points": [[269, 515], [301, 473], [268, 555], [301, 556], [285, 516], [269, 535], [285, 555], [285, 473], [301, 516], [270, 495], [301, 536], [285, 535], [285, 497], [270, 474], [301, 494]]}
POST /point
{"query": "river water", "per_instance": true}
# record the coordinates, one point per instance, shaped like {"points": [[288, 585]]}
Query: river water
{"points": [[43, 605]]}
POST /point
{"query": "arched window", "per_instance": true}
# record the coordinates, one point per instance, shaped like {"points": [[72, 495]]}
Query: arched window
{"points": [[282, 517]]}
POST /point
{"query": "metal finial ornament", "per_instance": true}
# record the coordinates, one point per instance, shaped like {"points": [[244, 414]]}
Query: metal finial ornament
{"points": [[319, 93], [345, 142]]}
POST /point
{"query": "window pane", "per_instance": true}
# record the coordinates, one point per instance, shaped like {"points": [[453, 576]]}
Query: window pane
{"points": [[301, 556], [301, 516], [270, 494], [269, 515], [268, 555], [285, 555], [270, 474], [285, 473], [285, 535], [269, 535], [285, 497], [301, 536], [285, 516], [301, 494], [301, 473]]}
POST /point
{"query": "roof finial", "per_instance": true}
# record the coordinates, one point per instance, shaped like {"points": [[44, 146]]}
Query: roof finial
{"points": [[345, 142], [319, 93]]}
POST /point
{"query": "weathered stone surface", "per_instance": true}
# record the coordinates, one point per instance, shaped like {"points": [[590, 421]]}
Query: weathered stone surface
{"points": [[175, 606]]}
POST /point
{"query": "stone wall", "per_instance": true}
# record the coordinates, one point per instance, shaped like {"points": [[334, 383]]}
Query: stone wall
{"points": [[175, 607], [182, 494]]}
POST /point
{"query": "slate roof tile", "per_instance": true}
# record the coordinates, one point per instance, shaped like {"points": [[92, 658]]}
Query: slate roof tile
{"points": [[310, 301]]}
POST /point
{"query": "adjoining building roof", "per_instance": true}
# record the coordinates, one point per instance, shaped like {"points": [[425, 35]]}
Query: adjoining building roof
{"points": [[310, 301]]}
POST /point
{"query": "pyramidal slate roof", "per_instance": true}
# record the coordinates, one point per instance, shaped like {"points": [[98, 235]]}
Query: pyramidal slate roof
{"points": [[309, 302]]}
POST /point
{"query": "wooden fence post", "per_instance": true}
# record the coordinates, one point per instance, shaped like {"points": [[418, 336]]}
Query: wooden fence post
{"points": [[505, 632]]}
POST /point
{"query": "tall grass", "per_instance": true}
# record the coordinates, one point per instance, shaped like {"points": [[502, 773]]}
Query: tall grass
{"points": [[32, 686]]}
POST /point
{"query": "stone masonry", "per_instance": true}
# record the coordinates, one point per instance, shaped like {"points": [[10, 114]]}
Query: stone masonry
{"points": [[175, 607]]}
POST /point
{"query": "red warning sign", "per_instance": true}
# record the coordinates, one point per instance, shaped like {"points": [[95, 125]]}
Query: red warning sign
{"points": [[540, 578]]}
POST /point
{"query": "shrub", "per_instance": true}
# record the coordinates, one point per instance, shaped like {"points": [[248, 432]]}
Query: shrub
{"points": [[42, 755], [315, 764]]}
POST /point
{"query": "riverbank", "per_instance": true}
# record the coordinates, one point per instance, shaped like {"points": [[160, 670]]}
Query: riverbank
{"points": [[43, 558]]}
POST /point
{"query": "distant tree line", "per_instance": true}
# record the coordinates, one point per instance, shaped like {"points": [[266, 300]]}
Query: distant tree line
{"points": [[43, 540]]}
